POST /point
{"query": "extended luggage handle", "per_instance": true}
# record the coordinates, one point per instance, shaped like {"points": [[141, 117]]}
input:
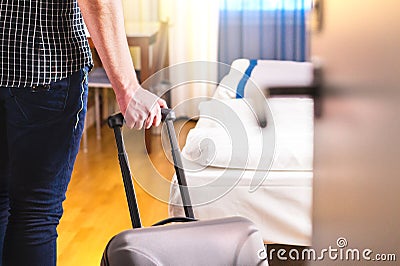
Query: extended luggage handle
{"points": [[116, 122], [168, 116]]}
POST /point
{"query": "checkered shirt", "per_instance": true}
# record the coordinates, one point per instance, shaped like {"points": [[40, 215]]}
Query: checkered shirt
{"points": [[41, 41]]}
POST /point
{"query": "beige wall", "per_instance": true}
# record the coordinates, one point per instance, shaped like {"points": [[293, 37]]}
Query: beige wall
{"points": [[357, 144]]}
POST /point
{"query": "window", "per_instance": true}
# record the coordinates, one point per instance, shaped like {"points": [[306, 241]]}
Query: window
{"points": [[263, 29]]}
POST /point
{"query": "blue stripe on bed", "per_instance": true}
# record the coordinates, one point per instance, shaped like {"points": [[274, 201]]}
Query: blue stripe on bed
{"points": [[245, 78]]}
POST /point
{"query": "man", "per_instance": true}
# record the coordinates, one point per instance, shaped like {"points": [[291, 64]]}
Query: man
{"points": [[44, 63]]}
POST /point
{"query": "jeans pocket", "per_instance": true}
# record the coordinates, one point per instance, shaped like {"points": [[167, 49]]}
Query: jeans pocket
{"points": [[40, 104]]}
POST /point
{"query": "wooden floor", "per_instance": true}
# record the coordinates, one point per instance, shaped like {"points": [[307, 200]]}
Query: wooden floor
{"points": [[96, 208]]}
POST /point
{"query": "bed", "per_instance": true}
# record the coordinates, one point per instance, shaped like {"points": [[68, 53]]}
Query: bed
{"points": [[252, 156]]}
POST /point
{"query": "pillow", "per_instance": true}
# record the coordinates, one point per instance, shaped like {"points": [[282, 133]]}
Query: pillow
{"points": [[227, 135]]}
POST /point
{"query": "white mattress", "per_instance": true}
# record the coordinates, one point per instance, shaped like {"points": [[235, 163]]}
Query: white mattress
{"points": [[280, 206]]}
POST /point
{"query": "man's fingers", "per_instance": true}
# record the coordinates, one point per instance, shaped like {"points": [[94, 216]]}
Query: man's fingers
{"points": [[148, 122], [162, 103], [144, 110]]}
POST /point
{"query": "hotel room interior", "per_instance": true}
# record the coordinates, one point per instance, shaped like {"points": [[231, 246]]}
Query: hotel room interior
{"points": [[329, 70]]}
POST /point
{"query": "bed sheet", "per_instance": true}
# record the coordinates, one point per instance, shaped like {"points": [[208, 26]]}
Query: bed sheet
{"points": [[280, 206]]}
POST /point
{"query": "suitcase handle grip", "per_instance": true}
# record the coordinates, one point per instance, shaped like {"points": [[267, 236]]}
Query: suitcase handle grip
{"points": [[117, 120], [167, 114]]}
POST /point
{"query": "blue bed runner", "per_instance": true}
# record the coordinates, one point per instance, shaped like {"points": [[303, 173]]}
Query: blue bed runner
{"points": [[245, 78]]}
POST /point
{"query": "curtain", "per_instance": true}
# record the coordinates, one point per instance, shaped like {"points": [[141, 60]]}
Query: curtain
{"points": [[193, 36], [140, 10], [263, 29]]}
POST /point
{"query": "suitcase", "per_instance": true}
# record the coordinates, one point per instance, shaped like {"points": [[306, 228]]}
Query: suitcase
{"points": [[179, 240]]}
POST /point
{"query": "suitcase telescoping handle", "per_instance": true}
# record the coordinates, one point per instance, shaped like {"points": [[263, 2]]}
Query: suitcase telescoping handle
{"points": [[168, 116], [116, 122]]}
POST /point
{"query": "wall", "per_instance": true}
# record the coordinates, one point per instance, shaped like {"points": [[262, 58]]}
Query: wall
{"points": [[357, 139]]}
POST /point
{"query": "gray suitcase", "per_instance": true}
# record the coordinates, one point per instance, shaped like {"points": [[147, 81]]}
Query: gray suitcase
{"points": [[180, 240]]}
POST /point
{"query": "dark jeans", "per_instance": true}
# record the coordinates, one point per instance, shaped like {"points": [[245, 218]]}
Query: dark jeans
{"points": [[40, 132]]}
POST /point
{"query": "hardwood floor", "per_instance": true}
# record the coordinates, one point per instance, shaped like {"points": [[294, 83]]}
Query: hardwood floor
{"points": [[96, 208]]}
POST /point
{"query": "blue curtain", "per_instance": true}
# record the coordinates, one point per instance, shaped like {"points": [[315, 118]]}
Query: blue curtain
{"points": [[263, 29]]}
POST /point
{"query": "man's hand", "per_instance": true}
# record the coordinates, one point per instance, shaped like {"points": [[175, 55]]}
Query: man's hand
{"points": [[143, 109]]}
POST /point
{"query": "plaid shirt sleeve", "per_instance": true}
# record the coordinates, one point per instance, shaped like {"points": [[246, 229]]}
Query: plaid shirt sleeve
{"points": [[41, 41]]}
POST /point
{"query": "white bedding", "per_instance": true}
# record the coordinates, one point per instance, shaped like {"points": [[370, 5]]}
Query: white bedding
{"points": [[234, 167], [280, 207]]}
